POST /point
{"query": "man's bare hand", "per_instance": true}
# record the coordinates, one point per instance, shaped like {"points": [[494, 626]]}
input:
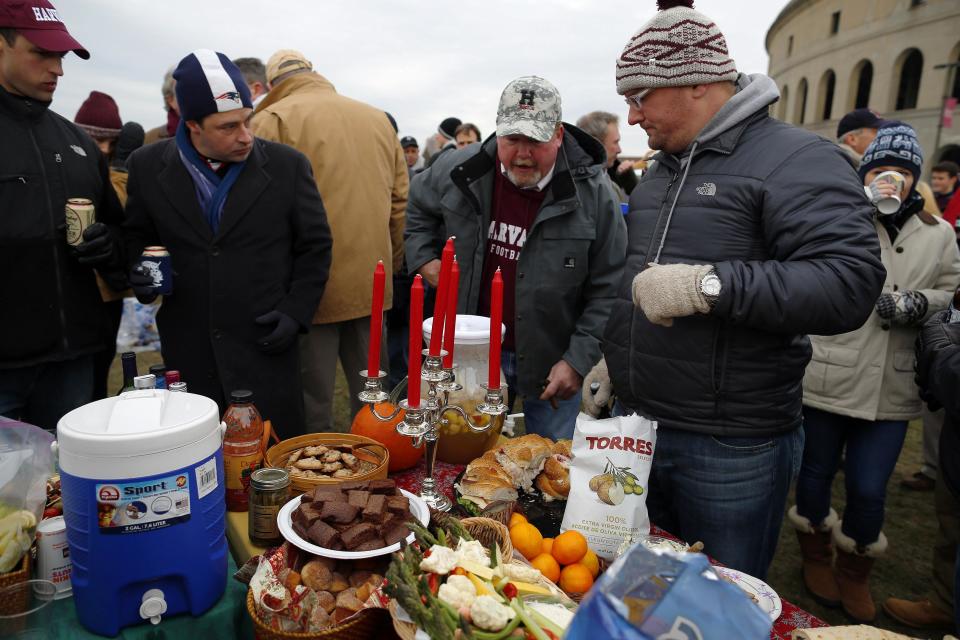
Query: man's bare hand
{"points": [[626, 165], [563, 382], [431, 272]]}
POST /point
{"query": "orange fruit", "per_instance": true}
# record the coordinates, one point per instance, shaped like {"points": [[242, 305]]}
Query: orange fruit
{"points": [[569, 547], [403, 454], [576, 578], [546, 545], [548, 566], [592, 562], [526, 539], [516, 518]]}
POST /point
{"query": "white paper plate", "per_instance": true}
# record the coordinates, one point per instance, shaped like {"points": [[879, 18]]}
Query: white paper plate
{"points": [[418, 508], [767, 598]]}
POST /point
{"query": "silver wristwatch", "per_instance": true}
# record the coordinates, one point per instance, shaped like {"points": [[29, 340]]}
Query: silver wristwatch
{"points": [[710, 287]]}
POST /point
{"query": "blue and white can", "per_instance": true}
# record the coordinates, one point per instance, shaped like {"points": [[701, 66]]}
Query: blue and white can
{"points": [[156, 260]]}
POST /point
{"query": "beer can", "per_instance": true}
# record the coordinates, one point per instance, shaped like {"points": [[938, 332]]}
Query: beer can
{"points": [[53, 555], [156, 260], [80, 215]]}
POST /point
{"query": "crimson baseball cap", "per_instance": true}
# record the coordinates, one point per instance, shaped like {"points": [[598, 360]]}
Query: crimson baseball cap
{"points": [[39, 22]]}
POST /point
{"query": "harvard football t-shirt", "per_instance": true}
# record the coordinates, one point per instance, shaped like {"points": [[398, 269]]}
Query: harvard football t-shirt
{"points": [[512, 214]]}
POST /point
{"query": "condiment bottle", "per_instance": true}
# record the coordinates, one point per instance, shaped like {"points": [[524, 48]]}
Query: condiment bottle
{"points": [[241, 447], [269, 490]]}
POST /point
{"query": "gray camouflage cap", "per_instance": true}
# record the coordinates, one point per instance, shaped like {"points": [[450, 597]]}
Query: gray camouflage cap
{"points": [[529, 106]]}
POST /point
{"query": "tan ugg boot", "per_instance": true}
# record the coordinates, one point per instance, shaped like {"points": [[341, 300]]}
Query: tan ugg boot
{"points": [[853, 568], [816, 547]]}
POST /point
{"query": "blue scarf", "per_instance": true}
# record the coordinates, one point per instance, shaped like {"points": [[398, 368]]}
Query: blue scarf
{"points": [[211, 189]]}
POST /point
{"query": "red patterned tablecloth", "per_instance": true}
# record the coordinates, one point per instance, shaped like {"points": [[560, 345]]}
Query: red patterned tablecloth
{"points": [[792, 617]]}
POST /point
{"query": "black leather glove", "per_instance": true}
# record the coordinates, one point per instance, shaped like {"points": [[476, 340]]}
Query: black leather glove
{"points": [[283, 335], [99, 247], [935, 335], [142, 284], [905, 308]]}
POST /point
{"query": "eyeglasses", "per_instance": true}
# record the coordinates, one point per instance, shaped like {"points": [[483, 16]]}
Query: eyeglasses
{"points": [[636, 100]]}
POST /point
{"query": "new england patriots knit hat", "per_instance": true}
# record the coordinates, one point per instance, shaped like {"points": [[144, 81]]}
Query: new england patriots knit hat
{"points": [[677, 47], [896, 145], [208, 82]]}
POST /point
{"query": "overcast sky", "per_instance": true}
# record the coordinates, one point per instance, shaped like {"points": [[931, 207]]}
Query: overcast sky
{"points": [[422, 61]]}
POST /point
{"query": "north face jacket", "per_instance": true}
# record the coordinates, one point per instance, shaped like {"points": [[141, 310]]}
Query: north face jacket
{"points": [[782, 216]]}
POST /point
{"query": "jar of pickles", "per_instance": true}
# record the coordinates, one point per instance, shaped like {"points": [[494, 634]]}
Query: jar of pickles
{"points": [[457, 443], [269, 491]]}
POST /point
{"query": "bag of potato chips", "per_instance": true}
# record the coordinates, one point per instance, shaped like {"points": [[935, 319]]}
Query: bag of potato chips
{"points": [[609, 476]]}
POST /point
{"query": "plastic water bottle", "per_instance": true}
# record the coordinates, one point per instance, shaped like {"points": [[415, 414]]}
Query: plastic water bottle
{"points": [[241, 448], [955, 308]]}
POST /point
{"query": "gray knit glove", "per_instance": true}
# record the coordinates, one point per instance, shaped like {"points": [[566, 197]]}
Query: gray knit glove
{"points": [[595, 401], [667, 291], [905, 308]]}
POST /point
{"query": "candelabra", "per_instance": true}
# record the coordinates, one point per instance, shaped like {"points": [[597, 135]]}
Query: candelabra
{"points": [[422, 422]]}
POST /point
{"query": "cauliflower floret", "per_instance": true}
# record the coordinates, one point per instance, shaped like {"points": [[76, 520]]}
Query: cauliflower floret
{"points": [[522, 572], [472, 551], [458, 592], [490, 615], [442, 560]]}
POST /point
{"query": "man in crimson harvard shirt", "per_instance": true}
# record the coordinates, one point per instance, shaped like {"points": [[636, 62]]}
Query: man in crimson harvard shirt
{"points": [[534, 202]]}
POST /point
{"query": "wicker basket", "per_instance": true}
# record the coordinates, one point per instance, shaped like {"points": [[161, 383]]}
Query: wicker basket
{"points": [[488, 531], [17, 602], [364, 448], [362, 626]]}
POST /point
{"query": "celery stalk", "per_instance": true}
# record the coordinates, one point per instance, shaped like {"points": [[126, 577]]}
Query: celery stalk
{"points": [[546, 622], [528, 622]]}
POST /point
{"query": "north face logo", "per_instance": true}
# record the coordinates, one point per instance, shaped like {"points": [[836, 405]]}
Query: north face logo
{"points": [[707, 189]]}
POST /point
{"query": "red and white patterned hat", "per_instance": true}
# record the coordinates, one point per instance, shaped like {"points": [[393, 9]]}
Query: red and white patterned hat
{"points": [[677, 47]]}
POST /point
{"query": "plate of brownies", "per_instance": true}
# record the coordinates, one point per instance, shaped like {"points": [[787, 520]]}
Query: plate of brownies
{"points": [[351, 520]]}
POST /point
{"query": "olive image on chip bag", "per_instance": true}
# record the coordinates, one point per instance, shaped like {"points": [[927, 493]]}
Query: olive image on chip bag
{"points": [[609, 476]]}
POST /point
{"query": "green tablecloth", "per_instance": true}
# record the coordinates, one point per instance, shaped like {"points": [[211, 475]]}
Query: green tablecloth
{"points": [[226, 619]]}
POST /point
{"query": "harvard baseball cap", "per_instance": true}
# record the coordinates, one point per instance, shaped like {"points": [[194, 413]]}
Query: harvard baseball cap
{"points": [[39, 22], [862, 118], [408, 141], [284, 61], [529, 106]]}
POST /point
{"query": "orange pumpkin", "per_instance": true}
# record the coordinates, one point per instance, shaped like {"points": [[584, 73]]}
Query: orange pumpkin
{"points": [[403, 454]]}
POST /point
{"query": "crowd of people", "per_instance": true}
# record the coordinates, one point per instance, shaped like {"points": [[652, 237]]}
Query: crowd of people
{"points": [[780, 303]]}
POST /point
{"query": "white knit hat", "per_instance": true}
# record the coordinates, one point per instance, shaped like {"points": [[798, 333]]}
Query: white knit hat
{"points": [[677, 47]]}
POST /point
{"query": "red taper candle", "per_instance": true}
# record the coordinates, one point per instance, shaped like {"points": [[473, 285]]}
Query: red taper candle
{"points": [[496, 319], [440, 305], [376, 320], [450, 323], [416, 342]]}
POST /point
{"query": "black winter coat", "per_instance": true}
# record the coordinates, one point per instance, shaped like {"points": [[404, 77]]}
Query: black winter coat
{"points": [[782, 216], [272, 252], [51, 306]]}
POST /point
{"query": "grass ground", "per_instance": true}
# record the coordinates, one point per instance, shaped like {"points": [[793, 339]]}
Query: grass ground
{"points": [[910, 527]]}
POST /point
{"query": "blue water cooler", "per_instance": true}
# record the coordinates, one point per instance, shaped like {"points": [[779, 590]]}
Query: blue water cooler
{"points": [[143, 497]]}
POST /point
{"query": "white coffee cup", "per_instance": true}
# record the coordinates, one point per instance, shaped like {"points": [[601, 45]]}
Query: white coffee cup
{"points": [[890, 204]]}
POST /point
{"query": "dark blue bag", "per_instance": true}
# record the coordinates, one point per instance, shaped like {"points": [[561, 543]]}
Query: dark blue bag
{"points": [[648, 595]]}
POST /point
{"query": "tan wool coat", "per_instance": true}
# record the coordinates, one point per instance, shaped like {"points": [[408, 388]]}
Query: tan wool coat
{"points": [[361, 175], [868, 373]]}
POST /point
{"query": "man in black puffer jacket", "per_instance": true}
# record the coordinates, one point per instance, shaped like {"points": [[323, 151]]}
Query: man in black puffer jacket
{"points": [[53, 318], [746, 235]]}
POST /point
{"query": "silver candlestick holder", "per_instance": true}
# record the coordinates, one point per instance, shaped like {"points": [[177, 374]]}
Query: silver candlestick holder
{"points": [[422, 423]]}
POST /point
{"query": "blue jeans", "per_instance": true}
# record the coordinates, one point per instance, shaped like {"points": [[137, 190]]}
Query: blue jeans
{"points": [[42, 394], [729, 493], [872, 452], [538, 415]]}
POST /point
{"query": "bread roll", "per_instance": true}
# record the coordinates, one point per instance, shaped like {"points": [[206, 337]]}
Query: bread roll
{"points": [[317, 576]]}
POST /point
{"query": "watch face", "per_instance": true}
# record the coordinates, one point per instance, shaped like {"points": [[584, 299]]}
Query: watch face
{"points": [[710, 285]]}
